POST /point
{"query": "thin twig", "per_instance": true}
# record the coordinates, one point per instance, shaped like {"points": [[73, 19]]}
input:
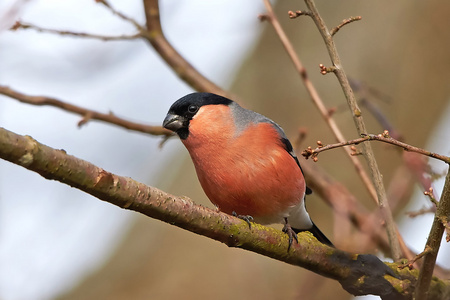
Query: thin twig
{"points": [[271, 17], [360, 126], [422, 211], [384, 137], [344, 22], [21, 25], [121, 15], [87, 114], [409, 264], [430, 195], [433, 242], [154, 35], [345, 203], [415, 162], [297, 13]]}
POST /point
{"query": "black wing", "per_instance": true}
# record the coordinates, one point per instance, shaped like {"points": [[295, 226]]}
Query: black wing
{"points": [[288, 146]]}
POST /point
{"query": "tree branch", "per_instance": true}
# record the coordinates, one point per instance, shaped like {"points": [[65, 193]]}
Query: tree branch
{"points": [[331, 191], [343, 23], [422, 211], [314, 95], [121, 15], [384, 137], [87, 114], [21, 25], [358, 274], [360, 126], [433, 244], [155, 36], [344, 203]]}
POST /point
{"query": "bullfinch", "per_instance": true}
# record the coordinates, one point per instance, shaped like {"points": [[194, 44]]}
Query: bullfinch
{"points": [[244, 162]]}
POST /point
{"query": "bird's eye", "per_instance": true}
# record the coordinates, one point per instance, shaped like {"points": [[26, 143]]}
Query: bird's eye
{"points": [[192, 109]]}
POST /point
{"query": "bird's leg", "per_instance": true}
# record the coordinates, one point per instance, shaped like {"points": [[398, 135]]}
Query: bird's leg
{"points": [[290, 232], [246, 218]]}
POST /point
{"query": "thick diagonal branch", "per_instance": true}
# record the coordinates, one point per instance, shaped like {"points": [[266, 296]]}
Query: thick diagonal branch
{"points": [[358, 274]]}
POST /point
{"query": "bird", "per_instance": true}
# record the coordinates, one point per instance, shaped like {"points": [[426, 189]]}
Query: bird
{"points": [[244, 162]]}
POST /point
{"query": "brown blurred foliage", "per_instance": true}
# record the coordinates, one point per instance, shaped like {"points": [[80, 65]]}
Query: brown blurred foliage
{"points": [[399, 48]]}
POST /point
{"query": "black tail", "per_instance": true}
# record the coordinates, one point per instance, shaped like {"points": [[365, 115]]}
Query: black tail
{"points": [[317, 234]]}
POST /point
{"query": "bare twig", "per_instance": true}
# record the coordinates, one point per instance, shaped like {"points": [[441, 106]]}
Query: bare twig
{"points": [[430, 195], [409, 264], [422, 211], [384, 137], [121, 15], [344, 22], [21, 25], [298, 13], [415, 162], [345, 203], [87, 114], [422, 289], [360, 126], [11, 12], [155, 36], [271, 17]]}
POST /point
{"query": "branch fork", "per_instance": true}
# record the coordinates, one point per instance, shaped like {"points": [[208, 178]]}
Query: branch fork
{"points": [[382, 137]]}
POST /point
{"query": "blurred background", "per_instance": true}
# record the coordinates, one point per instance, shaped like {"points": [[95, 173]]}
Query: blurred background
{"points": [[59, 243]]}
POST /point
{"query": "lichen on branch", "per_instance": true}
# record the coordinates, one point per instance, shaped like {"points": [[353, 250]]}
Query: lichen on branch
{"points": [[359, 274]]}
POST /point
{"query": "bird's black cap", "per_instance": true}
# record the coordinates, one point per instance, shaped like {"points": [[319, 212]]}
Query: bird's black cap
{"points": [[185, 108]]}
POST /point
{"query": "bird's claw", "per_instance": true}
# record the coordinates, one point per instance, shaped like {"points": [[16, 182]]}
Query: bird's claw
{"points": [[246, 218], [291, 234]]}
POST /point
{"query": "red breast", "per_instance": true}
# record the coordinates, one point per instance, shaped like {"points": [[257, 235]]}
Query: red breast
{"points": [[249, 171]]}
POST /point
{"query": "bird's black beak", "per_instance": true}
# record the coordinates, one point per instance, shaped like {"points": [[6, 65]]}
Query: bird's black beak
{"points": [[174, 122]]}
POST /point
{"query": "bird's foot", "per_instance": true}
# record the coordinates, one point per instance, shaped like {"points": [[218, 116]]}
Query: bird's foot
{"points": [[246, 218], [290, 232]]}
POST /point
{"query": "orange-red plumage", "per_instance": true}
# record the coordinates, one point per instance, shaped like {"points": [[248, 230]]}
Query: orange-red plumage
{"points": [[243, 160], [243, 173]]}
